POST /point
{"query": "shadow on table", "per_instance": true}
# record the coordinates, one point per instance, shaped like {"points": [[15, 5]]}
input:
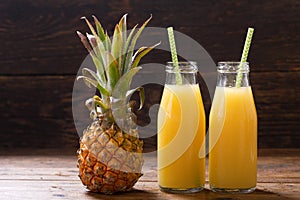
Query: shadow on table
{"points": [[204, 194], [133, 194], [207, 194]]}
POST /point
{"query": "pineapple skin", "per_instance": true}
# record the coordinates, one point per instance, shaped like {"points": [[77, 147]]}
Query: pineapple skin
{"points": [[109, 160]]}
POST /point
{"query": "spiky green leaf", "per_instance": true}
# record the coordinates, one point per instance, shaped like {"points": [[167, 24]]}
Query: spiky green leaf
{"points": [[88, 81], [98, 48], [99, 103], [123, 27], [107, 43], [84, 41], [140, 54], [123, 85], [132, 44], [141, 95], [100, 30], [127, 58], [100, 68], [93, 42], [91, 74], [96, 106], [94, 53], [116, 46], [92, 29], [95, 102], [123, 30], [91, 82], [112, 71]]}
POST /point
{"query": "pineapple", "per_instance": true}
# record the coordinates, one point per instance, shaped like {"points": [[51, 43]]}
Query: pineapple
{"points": [[110, 155]]}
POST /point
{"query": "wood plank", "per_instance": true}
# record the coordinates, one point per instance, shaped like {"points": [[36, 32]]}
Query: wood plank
{"points": [[74, 190], [277, 141], [275, 88], [55, 177], [36, 112], [274, 166], [34, 40], [41, 107], [268, 95]]}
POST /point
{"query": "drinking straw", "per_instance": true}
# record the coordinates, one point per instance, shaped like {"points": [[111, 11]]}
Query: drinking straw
{"points": [[174, 55], [244, 56]]}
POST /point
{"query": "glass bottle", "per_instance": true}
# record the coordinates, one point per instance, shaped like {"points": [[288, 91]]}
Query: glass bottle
{"points": [[181, 132], [233, 132]]}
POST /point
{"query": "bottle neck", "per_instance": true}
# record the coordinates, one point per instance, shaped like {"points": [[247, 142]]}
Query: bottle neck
{"points": [[187, 72], [229, 71]]}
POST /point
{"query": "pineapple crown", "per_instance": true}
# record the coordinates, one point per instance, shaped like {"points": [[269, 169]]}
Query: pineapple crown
{"points": [[115, 62]]}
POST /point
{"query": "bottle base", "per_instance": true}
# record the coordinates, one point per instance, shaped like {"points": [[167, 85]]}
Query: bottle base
{"points": [[232, 190], [180, 191]]}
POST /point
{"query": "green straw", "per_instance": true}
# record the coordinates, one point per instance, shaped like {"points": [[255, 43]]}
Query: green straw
{"points": [[244, 56], [174, 55]]}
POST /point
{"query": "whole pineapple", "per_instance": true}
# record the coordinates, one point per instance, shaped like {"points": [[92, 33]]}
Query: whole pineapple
{"points": [[110, 156]]}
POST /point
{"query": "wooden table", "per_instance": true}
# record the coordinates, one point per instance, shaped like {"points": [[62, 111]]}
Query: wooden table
{"points": [[55, 177]]}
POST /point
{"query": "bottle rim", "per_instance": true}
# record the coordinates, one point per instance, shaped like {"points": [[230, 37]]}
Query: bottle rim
{"points": [[184, 67], [231, 62], [233, 66]]}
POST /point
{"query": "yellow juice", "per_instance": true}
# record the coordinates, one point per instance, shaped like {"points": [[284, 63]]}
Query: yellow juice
{"points": [[181, 134], [233, 139]]}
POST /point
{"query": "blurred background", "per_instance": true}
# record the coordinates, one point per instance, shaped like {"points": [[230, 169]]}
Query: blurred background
{"points": [[40, 55]]}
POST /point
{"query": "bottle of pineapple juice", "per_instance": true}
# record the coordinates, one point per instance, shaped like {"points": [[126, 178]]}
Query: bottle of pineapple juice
{"points": [[181, 134], [232, 133]]}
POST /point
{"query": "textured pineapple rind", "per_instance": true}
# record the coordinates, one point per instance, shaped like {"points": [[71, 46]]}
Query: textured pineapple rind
{"points": [[109, 160]]}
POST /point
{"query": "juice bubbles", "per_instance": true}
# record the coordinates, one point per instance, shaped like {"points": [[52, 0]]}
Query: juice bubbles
{"points": [[181, 134], [233, 137]]}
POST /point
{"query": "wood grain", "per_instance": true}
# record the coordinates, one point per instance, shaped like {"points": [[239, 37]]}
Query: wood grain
{"points": [[38, 37], [55, 177], [40, 55], [39, 114]]}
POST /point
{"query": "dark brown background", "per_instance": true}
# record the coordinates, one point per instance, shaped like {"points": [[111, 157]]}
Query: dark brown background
{"points": [[40, 55]]}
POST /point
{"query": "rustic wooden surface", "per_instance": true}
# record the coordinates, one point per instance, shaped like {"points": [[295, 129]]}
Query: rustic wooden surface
{"points": [[55, 177], [40, 55]]}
